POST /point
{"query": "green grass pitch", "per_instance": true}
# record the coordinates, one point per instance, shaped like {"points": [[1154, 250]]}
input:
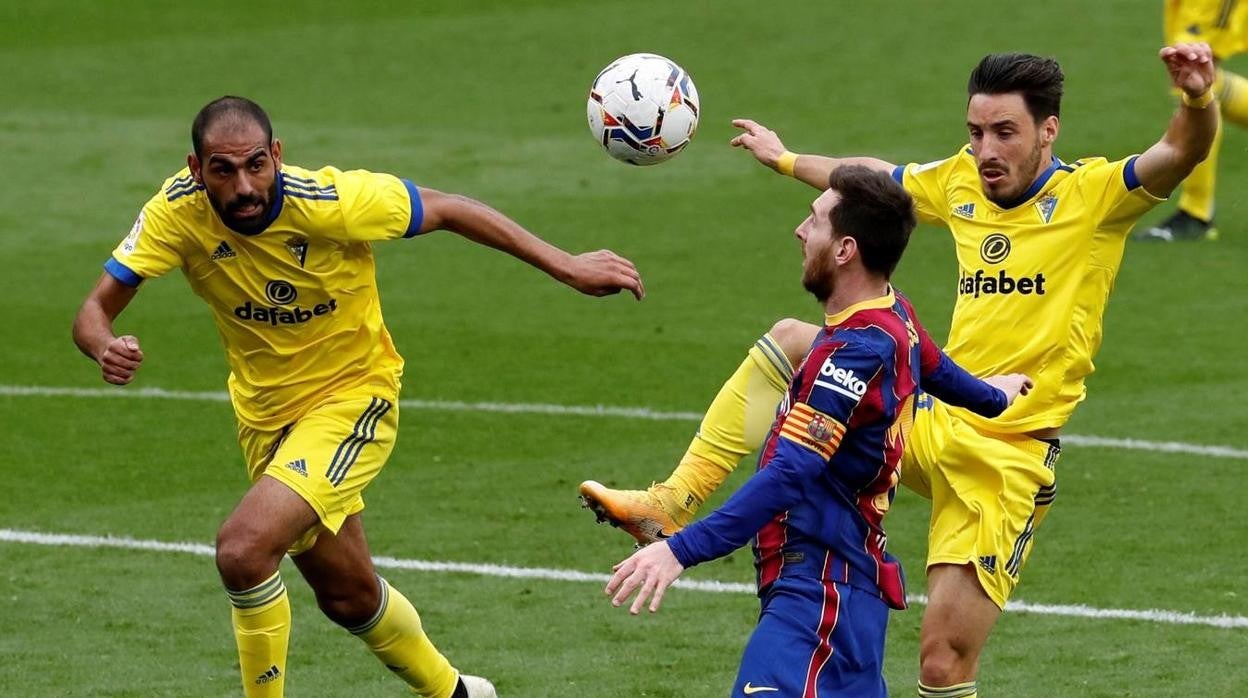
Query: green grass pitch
{"points": [[486, 98]]}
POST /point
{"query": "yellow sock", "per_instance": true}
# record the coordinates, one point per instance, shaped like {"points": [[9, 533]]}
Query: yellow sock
{"points": [[1233, 97], [261, 617], [961, 690], [395, 635], [735, 424]]}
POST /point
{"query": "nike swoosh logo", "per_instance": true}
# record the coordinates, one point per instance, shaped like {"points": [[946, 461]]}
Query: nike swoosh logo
{"points": [[751, 689]]}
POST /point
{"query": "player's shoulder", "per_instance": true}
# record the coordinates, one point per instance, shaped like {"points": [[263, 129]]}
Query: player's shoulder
{"points": [[311, 185], [180, 190], [963, 158], [176, 206], [1085, 166], [1097, 172], [332, 184], [867, 336]]}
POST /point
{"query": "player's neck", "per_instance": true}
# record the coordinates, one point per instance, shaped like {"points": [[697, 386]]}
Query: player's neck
{"points": [[855, 289]]}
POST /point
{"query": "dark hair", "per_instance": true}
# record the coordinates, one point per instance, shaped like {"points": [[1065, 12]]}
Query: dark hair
{"points": [[1039, 80], [876, 212], [239, 109]]}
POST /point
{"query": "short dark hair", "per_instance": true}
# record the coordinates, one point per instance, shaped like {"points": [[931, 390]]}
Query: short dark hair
{"points": [[1038, 79], [238, 109], [876, 212]]}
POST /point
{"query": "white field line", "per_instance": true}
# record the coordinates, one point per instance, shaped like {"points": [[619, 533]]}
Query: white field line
{"points": [[549, 574], [577, 411]]}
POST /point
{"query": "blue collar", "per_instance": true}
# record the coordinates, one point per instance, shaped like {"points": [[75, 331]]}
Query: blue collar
{"points": [[273, 212], [1035, 187]]}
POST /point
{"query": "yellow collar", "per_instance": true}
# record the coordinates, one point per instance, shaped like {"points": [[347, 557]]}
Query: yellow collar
{"points": [[885, 301]]}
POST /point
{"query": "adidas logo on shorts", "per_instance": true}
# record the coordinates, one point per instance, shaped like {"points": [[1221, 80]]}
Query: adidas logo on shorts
{"points": [[989, 563], [299, 466]]}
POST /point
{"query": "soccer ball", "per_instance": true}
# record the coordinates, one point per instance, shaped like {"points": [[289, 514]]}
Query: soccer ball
{"points": [[643, 109]]}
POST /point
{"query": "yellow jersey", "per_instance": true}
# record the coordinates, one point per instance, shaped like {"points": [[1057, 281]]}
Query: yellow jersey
{"points": [[1223, 24], [1033, 277], [296, 304]]}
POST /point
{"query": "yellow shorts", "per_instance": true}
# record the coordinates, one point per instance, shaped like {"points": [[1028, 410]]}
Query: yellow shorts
{"points": [[328, 456], [1223, 24], [989, 493]]}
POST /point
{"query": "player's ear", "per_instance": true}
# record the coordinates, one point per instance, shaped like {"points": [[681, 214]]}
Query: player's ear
{"points": [[846, 250], [1048, 129], [192, 162], [276, 150]]}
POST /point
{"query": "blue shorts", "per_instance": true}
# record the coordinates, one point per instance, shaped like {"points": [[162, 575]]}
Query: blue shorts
{"points": [[815, 639]]}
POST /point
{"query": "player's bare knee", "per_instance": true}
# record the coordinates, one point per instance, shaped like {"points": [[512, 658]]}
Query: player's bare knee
{"points": [[242, 560], [794, 337], [943, 662]]}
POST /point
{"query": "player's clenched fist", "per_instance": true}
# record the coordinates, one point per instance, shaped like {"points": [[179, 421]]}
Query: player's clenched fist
{"points": [[121, 359]]}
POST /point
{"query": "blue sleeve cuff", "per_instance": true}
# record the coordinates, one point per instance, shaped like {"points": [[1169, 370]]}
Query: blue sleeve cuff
{"points": [[677, 545], [899, 172], [1128, 174], [122, 273], [418, 209]]}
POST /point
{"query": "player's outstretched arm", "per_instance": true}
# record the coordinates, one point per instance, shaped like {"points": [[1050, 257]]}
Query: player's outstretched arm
{"points": [[766, 147], [599, 273], [118, 357], [1187, 140]]}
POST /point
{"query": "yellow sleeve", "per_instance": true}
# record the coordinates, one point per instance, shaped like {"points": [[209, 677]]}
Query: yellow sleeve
{"points": [[151, 249], [929, 186], [1113, 192], [378, 206]]}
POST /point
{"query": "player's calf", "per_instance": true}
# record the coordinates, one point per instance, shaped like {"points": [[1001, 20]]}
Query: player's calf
{"points": [[350, 601]]}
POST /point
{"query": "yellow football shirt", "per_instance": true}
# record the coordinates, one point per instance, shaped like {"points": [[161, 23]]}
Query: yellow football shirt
{"points": [[296, 304], [1223, 24], [1033, 277]]}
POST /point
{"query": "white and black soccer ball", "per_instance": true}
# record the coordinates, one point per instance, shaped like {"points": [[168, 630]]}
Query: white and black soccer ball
{"points": [[643, 109]]}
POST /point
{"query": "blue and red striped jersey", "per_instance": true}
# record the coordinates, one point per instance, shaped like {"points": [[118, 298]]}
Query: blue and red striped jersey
{"points": [[829, 468]]}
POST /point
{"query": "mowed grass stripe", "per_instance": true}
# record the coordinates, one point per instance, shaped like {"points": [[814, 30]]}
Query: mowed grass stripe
{"points": [[1129, 444], [550, 574]]}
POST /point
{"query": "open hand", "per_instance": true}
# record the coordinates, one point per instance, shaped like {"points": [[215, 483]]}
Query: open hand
{"points": [[649, 571]]}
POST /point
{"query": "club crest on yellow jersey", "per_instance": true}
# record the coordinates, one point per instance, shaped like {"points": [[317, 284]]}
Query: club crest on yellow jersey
{"points": [[1045, 206], [298, 246]]}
